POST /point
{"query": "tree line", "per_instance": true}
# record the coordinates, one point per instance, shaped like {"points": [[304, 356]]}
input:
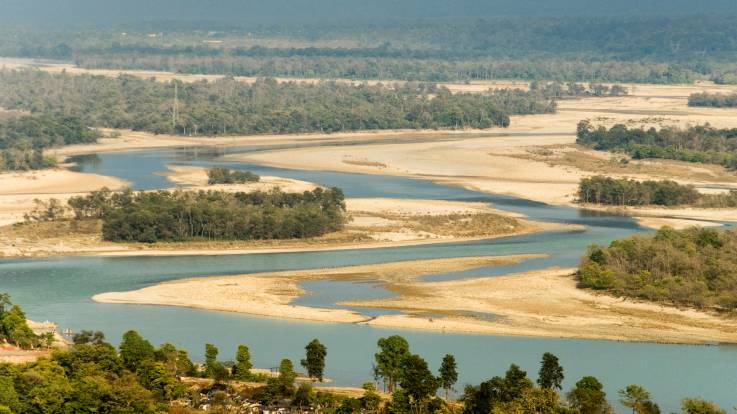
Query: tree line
{"points": [[714, 100], [692, 267], [92, 375], [24, 137], [701, 143], [221, 175], [227, 106], [213, 215]]}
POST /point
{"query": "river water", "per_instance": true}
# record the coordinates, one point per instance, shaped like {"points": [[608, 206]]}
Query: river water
{"points": [[59, 289]]}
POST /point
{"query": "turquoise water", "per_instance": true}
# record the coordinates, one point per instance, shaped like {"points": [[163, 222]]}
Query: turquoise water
{"points": [[59, 289]]}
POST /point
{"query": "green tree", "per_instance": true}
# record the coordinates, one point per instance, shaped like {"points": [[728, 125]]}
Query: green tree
{"points": [[242, 367], [286, 377], [211, 359], [43, 388], [8, 395], [551, 373], [371, 400], [134, 350], [392, 352], [700, 406], [314, 361], [87, 337], [638, 399], [417, 381], [15, 328], [589, 397], [448, 373], [304, 396]]}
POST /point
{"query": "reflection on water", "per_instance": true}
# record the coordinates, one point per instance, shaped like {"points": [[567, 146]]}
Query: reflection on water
{"points": [[60, 289]]}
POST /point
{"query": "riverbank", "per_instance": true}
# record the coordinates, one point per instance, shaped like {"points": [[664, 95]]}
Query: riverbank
{"points": [[543, 303]]}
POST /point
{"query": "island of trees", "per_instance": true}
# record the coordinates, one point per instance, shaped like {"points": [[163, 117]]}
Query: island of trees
{"points": [[701, 143], [714, 100], [221, 175], [24, 137], [693, 267], [228, 106], [210, 215], [137, 377]]}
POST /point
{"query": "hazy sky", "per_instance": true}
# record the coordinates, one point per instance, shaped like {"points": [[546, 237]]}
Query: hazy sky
{"points": [[311, 11]]}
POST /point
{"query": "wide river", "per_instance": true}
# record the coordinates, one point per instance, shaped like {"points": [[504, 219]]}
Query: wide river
{"points": [[59, 289]]}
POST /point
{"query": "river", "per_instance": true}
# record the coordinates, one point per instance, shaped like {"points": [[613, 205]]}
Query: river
{"points": [[59, 289]]}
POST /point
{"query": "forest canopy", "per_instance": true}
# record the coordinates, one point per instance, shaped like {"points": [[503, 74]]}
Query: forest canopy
{"points": [[692, 267], [228, 106], [701, 143]]}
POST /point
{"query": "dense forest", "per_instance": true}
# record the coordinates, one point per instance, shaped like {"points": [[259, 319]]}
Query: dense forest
{"points": [[701, 143], [220, 175], [23, 138], [214, 215], [626, 48], [714, 100], [692, 267], [227, 106], [93, 376], [624, 192]]}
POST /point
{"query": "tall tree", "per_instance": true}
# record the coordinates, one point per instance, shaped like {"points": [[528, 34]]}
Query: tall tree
{"points": [[551, 373], [286, 377], [700, 406], [588, 397], [211, 359], [448, 373], [134, 350], [314, 361], [418, 381], [392, 351], [242, 367], [638, 399]]}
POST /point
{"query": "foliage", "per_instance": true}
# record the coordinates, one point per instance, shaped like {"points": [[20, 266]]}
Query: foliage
{"points": [[691, 267], [625, 192], [220, 175], [551, 373], [638, 399], [701, 143], [228, 106], [242, 367], [700, 406], [134, 350], [314, 362], [181, 215], [448, 373], [13, 325], [417, 381], [392, 352], [588, 397], [23, 139], [714, 100]]}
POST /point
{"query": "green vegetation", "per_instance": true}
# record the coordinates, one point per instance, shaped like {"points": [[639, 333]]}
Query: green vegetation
{"points": [[624, 192], [23, 139], [227, 106], [692, 267], [220, 175], [137, 377], [714, 100], [213, 215], [701, 143], [14, 328]]}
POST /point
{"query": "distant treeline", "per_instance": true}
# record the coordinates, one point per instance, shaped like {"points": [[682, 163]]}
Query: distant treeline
{"points": [[692, 267], [559, 90], [714, 100], [220, 175], [228, 106], [213, 215], [24, 137], [603, 49], [701, 143]]}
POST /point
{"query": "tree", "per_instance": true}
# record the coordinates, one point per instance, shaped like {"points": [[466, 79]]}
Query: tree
{"points": [[393, 351], [134, 349], [88, 337], [286, 377], [700, 406], [638, 399], [314, 361], [242, 367], [211, 359], [371, 400], [448, 373], [589, 397], [15, 328], [417, 381], [304, 396], [551, 373]]}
